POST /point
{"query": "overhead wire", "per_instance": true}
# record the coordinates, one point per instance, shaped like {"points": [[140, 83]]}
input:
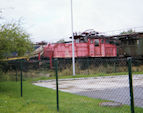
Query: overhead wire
{"points": [[123, 29]]}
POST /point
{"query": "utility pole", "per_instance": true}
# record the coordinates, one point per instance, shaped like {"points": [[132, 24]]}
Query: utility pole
{"points": [[73, 56]]}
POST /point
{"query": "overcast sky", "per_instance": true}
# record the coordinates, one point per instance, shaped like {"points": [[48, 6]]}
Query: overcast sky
{"points": [[49, 20]]}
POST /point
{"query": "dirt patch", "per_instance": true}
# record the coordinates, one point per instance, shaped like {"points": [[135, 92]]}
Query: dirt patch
{"points": [[111, 104], [68, 87]]}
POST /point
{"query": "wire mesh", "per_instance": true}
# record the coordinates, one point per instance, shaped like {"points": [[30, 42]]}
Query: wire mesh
{"points": [[101, 85], [10, 70], [104, 81], [137, 70]]}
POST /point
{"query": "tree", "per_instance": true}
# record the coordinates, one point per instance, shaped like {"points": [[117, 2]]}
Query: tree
{"points": [[13, 39], [61, 41], [127, 32]]}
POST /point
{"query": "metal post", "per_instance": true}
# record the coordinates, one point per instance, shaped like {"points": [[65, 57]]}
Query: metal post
{"points": [[88, 66], [131, 84], [16, 72], [57, 89], [21, 68], [114, 66], [73, 56]]}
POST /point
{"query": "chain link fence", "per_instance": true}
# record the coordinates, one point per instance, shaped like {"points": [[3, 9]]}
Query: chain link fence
{"points": [[10, 70], [92, 66], [115, 84], [100, 85], [103, 80]]}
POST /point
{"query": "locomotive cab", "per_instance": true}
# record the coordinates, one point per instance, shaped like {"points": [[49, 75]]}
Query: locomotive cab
{"points": [[101, 47]]}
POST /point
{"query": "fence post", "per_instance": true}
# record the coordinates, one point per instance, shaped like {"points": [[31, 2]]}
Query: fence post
{"points": [[131, 84], [21, 68], [88, 65], [16, 72], [114, 66], [57, 89]]}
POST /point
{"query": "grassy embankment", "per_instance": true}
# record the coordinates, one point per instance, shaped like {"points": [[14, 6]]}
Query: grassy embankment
{"points": [[37, 99], [43, 100], [34, 75]]}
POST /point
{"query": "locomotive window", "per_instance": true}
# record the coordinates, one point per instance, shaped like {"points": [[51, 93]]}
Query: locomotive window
{"points": [[91, 41], [132, 42], [82, 40], [124, 42], [102, 41], [96, 42], [138, 42], [77, 40], [86, 40], [107, 41]]}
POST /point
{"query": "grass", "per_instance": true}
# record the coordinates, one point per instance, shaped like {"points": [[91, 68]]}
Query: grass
{"points": [[36, 75], [43, 100], [80, 76]]}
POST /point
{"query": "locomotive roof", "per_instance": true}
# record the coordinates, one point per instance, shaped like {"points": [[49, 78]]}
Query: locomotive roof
{"points": [[97, 35], [134, 35], [92, 36], [88, 34]]}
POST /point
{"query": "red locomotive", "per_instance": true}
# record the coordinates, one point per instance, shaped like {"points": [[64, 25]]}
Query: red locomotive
{"points": [[86, 44]]}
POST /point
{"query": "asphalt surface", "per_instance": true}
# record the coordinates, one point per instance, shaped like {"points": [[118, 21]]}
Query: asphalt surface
{"points": [[114, 88]]}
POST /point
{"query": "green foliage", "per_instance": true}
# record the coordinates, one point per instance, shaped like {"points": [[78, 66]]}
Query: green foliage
{"points": [[127, 32], [43, 100], [61, 41], [13, 39]]}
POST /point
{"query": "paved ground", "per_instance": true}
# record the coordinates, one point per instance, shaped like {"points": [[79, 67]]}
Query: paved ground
{"points": [[115, 88]]}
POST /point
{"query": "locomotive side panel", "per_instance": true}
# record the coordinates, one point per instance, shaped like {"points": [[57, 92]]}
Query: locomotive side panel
{"points": [[48, 50], [81, 50], [110, 51], [63, 50], [92, 48]]}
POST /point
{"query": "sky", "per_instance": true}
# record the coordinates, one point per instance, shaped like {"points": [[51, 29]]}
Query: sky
{"points": [[50, 20]]}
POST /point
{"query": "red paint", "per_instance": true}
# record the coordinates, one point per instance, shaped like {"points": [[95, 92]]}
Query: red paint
{"points": [[39, 56], [88, 49]]}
